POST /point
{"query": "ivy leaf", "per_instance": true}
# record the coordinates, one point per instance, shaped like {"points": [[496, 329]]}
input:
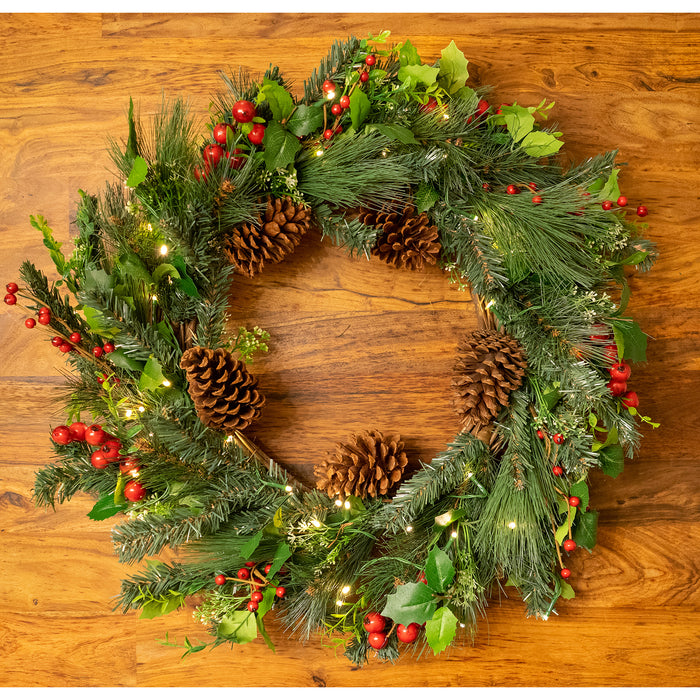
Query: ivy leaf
{"points": [[238, 627], [306, 118], [138, 172], [634, 340], [162, 606], [540, 144], [610, 190], [408, 54], [566, 591], [415, 75], [251, 545], [580, 489], [612, 460], [426, 197], [359, 108], [586, 530], [453, 71], [441, 629], [519, 121], [412, 602], [439, 570], [152, 376], [280, 146], [280, 101], [394, 131], [106, 508]]}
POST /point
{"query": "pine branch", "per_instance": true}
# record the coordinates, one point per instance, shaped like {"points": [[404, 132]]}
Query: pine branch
{"points": [[332, 67], [351, 234]]}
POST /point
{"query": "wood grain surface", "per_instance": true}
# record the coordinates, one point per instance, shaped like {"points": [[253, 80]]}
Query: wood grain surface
{"points": [[356, 345]]}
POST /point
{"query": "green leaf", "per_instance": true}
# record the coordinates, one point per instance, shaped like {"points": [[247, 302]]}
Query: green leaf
{"points": [[465, 93], [152, 376], [586, 530], [612, 460], [519, 121], [566, 591], [359, 108], [415, 75], [105, 508], [133, 431], [54, 247], [239, 627], [280, 101], [634, 340], [413, 602], [263, 632], [267, 602], [408, 54], [439, 570], [611, 189], [540, 144], [119, 359], [163, 270], [395, 131], [562, 532], [138, 173], [132, 147], [280, 146], [453, 72], [98, 323], [162, 605], [306, 119], [185, 282], [282, 553], [580, 489], [251, 545], [441, 629], [636, 257], [426, 197], [131, 266]]}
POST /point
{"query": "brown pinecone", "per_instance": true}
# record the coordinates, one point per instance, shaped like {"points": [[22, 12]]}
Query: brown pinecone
{"points": [[225, 394], [407, 239], [490, 365], [369, 465], [277, 232]]}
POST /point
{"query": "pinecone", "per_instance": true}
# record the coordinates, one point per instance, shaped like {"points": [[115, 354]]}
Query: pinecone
{"points": [[369, 465], [407, 239], [490, 365], [278, 231], [225, 394]]}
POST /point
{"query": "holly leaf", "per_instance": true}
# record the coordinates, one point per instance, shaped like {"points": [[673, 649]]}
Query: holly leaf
{"points": [[408, 54], [610, 190], [280, 146], [251, 545], [306, 118], [359, 108], [439, 570], [106, 508], [566, 591], [238, 627], [98, 323], [281, 555], [634, 340], [280, 101], [395, 131], [415, 75], [267, 602], [519, 121], [412, 602], [163, 270], [580, 489], [119, 359], [540, 144], [612, 460], [586, 530], [426, 197], [453, 72], [185, 282], [441, 629], [152, 376], [138, 172]]}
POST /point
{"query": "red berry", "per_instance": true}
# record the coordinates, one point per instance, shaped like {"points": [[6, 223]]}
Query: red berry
{"points": [[111, 449], [213, 153], [569, 545], [97, 351], [533, 186], [134, 491], [256, 596], [482, 107], [630, 399], [512, 189], [338, 129], [257, 134], [77, 431], [617, 388], [621, 201], [328, 134], [557, 471], [44, 310], [574, 501], [611, 353], [10, 299], [268, 567], [430, 105], [252, 606], [607, 205], [485, 186], [540, 434], [642, 211], [220, 580], [345, 101], [243, 111], [250, 564], [65, 347], [200, 174], [75, 337], [30, 323], [44, 319], [374, 622], [364, 76], [421, 578], [221, 132], [108, 347], [234, 160], [620, 372], [377, 640], [558, 438], [537, 199], [101, 378], [130, 465], [328, 86], [94, 435], [99, 459], [336, 109], [243, 573], [57, 341], [408, 634], [565, 573], [370, 60], [61, 435], [11, 287], [280, 591]]}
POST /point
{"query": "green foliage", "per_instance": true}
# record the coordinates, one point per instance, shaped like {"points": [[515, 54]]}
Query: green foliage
{"points": [[441, 629]]}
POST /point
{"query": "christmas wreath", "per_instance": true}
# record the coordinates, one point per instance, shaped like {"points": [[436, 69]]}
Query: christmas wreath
{"points": [[389, 157]]}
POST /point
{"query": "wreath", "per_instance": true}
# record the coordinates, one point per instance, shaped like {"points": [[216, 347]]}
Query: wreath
{"points": [[390, 157]]}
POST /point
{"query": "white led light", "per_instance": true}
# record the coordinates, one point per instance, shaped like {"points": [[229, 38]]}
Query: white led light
{"points": [[315, 523], [409, 528], [511, 524], [339, 603], [319, 152], [164, 250], [166, 382], [339, 503], [154, 297], [128, 413], [346, 590], [445, 116], [454, 534], [330, 95], [476, 218], [141, 409], [347, 505], [461, 624], [288, 489], [149, 227], [229, 438], [470, 475]]}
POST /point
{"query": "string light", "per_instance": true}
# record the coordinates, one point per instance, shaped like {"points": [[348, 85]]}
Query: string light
{"points": [[339, 603], [511, 524], [288, 489], [462, 625], [149, 227], [347, 505], [490, 304], [154, 297], [166, 382], [141, 409], [470, 475], [445, 116], [409, 528], [330, 95], [476, 218], [319, 153], [346, 590], [315, 523], [339, 503], [454, 534], [164, 249], [229, 438], [128, 413]]}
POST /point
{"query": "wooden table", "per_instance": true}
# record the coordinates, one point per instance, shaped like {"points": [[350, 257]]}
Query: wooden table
{"points": [[355, 344]]}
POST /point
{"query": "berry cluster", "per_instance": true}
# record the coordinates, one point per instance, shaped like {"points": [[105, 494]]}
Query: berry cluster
{"points": [[620, 372], [607, 205], [250, 575], [108, 452], [375, 625]]}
